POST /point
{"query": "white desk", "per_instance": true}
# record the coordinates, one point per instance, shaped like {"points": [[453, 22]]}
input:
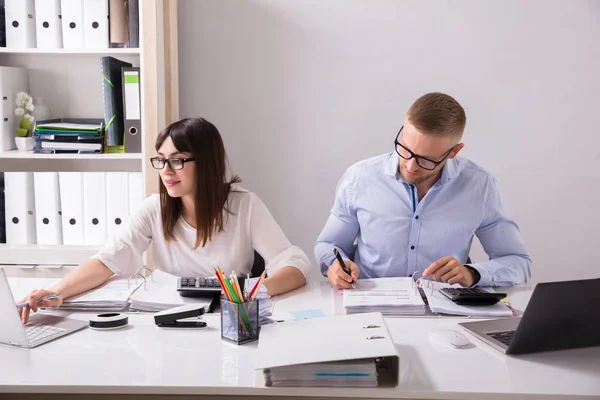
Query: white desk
{"points": [[144, 359]]}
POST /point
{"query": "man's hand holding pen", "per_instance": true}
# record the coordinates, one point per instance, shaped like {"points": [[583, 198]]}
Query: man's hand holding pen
{"points": [[338, 277]]}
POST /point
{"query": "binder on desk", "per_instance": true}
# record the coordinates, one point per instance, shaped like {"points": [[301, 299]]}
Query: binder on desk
{"points": [[48, 24], [95, 18], [20, 23], [19, 198], [117, 201], [71, 200], [343, 351], [48, 219], [132, 109], [12, 81], [113, 100], [94, 208], [72, 23]]}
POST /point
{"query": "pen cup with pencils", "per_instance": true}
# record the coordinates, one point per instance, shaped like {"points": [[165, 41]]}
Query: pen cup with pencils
{"points": [[239, 321]]}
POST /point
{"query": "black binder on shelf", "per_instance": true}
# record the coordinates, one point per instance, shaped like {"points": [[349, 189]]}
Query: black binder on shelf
{"points": [[113, 100]]}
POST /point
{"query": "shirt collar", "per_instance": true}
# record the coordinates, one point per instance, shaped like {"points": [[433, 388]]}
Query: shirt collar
{"points": [[449, 171]]}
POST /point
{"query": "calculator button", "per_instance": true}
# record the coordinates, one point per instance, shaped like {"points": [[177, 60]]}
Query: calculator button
{"points": [[202, 282], [209, 283]]}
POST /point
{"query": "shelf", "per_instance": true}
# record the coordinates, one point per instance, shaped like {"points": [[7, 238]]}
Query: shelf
{"points": [[36, 254], [16, 161], [81, 52]]}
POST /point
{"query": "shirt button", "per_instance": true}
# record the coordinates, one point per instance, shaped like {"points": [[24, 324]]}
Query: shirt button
{"points": [[412, 247], [416, 217]]}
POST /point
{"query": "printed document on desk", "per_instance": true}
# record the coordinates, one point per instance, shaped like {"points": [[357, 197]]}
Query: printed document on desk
{"points": [[343, 351], [111, 296], [438, 303], [390, 296]]}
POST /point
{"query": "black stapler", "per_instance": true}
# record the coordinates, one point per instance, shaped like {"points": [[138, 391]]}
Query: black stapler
{"points": [[170, 318]]}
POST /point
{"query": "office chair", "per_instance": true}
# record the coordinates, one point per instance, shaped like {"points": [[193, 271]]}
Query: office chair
{"points": [[258, 266]]}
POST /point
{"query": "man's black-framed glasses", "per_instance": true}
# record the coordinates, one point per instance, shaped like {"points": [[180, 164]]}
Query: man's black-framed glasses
{"points": [[174, 163], [422, 162]]}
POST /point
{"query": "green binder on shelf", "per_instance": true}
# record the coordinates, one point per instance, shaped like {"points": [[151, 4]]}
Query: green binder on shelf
{"points": [[112, 86]]}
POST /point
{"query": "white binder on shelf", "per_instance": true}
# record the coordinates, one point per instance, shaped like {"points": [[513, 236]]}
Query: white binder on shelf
{"points": [[12, 81], [72, 23], [20, 23], [19, 207], [349, 351], [71, 200], [136, 191], [95, 21], [48, 219], [48, 24], [94, 207], [117, 201]]}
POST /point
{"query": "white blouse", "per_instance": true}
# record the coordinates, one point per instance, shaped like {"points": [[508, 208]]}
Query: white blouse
{"points": [[250, 227]]}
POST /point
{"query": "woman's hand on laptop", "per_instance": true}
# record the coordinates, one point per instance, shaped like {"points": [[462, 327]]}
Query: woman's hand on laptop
{"points": [[35, 302]]}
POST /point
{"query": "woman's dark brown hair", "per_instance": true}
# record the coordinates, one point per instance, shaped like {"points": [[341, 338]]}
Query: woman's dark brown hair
{"points": [[203, 141]]}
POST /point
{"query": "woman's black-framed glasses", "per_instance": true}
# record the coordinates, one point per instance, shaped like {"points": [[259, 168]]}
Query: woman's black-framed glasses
{"points": [[174, 163], [422, 162]]}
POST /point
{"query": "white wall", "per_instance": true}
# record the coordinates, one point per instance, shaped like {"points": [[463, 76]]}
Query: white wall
{"points": [[300, 90]]}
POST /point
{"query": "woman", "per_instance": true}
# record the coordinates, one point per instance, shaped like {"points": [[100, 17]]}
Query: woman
{"points": [[198, 221]]}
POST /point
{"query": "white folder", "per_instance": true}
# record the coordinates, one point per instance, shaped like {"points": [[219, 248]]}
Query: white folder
{"points": [[94, 207], [48, 220], [48, 24], [136, 191], [95, 19], [71, 201], [117, 201], [19, 207], [322, 340], [72, 23], [20, 23]]}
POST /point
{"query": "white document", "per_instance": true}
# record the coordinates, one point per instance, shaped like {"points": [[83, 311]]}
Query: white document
{"points": [[95, 16], [12, 81], [390, 296], [20, 24], [94, 208], [48, 24], [438, 303], [19, 200], [136, 191], [111, 296], [71, 200], [70, 126], [72, 24], [48, 219], [117, 201], [322, 347]]}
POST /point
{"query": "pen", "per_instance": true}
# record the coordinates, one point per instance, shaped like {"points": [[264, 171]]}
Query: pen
{"points": [[346, 270], [48, 297]]}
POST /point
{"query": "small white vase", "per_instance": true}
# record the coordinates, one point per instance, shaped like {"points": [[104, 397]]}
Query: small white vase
{"points": [[40, 110], [24, 143]]}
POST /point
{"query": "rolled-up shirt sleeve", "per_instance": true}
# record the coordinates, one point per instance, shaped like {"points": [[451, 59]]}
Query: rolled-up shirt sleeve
{"points": [[271, 243], [123, 254]]}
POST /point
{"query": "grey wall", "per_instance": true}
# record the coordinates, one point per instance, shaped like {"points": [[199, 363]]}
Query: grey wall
{"points": [[300, 90]]}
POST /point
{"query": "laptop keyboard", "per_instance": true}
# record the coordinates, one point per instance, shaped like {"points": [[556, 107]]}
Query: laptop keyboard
{"points": [[504, 337], [36, 333]]}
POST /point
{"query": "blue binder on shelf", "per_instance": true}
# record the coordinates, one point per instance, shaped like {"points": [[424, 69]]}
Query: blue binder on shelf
{"points": [[112, 86]]}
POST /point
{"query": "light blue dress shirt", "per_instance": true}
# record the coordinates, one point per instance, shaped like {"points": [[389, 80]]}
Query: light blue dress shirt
{"points": [[397, 234]]}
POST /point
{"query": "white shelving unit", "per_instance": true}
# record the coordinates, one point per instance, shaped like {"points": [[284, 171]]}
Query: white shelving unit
{"points": [[70, 82]]}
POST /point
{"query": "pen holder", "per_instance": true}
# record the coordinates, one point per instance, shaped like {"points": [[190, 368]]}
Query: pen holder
{"points": [[239, 322]]}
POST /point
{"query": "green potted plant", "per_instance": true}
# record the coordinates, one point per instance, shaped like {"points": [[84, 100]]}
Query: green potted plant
{"points": [[23, 139]]}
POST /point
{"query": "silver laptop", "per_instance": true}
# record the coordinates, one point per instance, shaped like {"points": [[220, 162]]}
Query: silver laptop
{"points": [[40, 329], [560, 315]]}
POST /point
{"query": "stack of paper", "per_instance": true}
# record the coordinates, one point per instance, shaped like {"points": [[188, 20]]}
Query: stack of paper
{"points": [[389, 296], [343, 351], [111, 296], [159, 292], [355, 373], [438, 303]]}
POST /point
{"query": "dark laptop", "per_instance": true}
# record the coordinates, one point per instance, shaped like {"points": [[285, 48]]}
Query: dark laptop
{"points": [[560, 315]]}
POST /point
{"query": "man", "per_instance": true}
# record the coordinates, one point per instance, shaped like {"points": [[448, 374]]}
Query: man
{"points": [[415, 210]]}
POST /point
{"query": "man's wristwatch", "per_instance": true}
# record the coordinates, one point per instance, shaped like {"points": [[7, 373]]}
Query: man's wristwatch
{"points": [[474, 273]]}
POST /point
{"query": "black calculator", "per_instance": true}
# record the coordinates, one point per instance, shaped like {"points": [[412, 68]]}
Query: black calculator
{"points": [[198, 287], [472, 296]]}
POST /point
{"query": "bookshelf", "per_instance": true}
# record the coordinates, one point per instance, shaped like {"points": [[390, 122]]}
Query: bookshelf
{"points": [[69, 81]]}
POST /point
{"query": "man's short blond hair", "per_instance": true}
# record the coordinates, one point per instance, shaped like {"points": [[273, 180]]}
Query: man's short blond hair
{"points": [[437, 114]]}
